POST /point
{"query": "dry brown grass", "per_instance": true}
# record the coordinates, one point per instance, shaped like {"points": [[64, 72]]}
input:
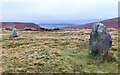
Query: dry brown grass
{"points": [[57, 51]]}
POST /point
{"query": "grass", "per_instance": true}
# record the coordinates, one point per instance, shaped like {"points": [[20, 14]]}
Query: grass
{"points": [[62, 51]]}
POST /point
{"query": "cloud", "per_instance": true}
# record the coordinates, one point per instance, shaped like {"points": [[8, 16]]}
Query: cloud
{"points": [[58, 9]]}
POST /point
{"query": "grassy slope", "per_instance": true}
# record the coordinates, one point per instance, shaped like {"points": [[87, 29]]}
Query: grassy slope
{"points": [[61, 51]]}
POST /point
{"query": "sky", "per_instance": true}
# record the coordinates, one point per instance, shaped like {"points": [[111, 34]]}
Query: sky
{"points": [[51, 10]]}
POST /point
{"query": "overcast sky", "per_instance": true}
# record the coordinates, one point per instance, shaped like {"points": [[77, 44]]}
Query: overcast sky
{"points": [[38, 10]]}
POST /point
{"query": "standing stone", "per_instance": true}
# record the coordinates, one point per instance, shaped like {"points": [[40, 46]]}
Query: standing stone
{"points": [[100, 40], [14, 33]]}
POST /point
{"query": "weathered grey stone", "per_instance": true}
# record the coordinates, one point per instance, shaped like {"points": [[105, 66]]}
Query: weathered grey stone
{"points": [[14, 33], [100, 40]]}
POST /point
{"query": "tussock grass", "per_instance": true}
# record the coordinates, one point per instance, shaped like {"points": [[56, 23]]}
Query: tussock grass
{"points": [[54, 52]]}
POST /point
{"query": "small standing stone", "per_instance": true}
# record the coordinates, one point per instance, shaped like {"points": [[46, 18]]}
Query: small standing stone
{"points": [[14, 33]]}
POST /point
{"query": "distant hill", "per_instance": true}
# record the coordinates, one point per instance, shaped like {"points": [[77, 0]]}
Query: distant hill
{"points": [[25, 26], [59, 25], [109, 23], [21, 26], [65, 23]]}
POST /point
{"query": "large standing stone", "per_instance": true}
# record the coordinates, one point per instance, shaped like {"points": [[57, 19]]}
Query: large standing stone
{"points": [[14, 33], [100, 40]]}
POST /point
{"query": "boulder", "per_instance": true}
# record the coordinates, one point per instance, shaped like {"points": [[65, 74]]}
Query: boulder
{"points": [[100, 40]]}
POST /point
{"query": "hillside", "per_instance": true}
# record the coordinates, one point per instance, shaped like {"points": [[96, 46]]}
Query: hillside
{"points": [[21, 25], [109, 23]]}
